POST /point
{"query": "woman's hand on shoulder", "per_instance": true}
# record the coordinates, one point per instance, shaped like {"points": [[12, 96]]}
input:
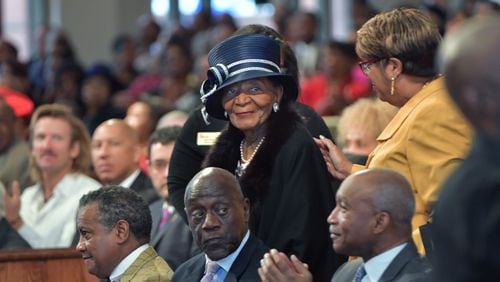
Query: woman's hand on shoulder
{"points": [[337, 163]]}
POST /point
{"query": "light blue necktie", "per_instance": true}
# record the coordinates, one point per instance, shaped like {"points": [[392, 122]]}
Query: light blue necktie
{"points": [[212, 268]]}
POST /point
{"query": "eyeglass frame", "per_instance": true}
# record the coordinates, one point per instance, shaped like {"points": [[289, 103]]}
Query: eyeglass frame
{"points": [[366, 64]]}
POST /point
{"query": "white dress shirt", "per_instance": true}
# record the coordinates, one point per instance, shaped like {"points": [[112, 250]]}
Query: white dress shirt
{"points": [[52, 224], [377, 265], [130, 179], [227, 262], [126, 263]]}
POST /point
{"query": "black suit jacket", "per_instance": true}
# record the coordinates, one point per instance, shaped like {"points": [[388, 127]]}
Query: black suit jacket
{"points": [[466, 223], [407, 266], [174, 242], [143, 186], [244, 267], [9, 238]]}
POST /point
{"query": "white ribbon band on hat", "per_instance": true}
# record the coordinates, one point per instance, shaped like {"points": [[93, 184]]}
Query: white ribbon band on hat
{"points": [[204, 96], [217, 73], [220, 78], [223, 67], [245, 61], [249, 69]]}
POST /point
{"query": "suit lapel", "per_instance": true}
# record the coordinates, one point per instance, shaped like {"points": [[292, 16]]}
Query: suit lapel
{"points": [[197, 269], [161, 233], [156, 214], [138, 183], [240, 264], [399, 262]]}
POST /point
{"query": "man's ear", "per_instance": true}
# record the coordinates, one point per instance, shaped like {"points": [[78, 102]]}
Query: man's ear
{"points": [[74, 150], [121, 231], [137, 153], [382, 220]]}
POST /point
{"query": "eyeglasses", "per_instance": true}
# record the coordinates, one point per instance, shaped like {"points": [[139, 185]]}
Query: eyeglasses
{"points": [[365, 65], [159, 165]]}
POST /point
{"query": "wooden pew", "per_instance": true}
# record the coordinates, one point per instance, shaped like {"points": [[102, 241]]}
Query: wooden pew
{"points": [[51, 265]]}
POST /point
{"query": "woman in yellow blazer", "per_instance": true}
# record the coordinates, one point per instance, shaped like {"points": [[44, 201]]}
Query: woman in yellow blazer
{"points": [[428, 137]]}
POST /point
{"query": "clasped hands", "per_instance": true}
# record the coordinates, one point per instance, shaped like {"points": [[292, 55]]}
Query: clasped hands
{"points": [[277, 267]]}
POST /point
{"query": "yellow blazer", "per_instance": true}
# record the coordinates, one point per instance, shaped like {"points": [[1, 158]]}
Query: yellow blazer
{"points": [[148, 267], [425, 141]]}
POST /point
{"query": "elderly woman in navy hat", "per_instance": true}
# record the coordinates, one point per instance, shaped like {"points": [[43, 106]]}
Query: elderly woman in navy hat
{"points": [[267, 147]]}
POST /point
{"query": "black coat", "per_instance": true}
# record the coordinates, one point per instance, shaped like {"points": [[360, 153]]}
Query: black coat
{"points": [[243, 269], [9, 238], [188, 154], [466, 223], [142, 185], [289, 189]]}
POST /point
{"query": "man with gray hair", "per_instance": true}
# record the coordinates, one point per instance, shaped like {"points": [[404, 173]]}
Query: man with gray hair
{"points": [[372, 221]]}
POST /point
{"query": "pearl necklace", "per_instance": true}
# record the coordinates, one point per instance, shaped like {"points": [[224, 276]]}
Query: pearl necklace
{"points": [[243, 163]]}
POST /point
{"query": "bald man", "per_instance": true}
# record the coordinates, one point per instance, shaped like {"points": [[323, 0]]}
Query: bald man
{"points": [[372, 221], [218, 217], [115, 157], [467, 216]]}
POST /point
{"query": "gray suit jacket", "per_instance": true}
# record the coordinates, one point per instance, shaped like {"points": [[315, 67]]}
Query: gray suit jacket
{"points": [[407, 266], [174, 242]]}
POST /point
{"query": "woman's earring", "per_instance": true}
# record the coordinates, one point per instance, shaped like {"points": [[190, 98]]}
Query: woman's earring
{"points": [[276, 107], [225, 114], [392, 85]]}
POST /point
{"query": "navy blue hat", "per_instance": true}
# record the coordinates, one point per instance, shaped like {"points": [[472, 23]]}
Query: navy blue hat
{"points": [[240, 58]]}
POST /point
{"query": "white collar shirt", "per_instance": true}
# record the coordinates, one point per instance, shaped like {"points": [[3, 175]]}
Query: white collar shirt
{"points": [[51, 224], [126, 263], [130, 179], [227, 262], [377, 265]]}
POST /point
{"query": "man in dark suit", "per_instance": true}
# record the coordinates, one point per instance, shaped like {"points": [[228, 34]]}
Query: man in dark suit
{"points": [[115, 157], [466, 224], [218, 218], [372, 220], [170, 236], [9, 238]]}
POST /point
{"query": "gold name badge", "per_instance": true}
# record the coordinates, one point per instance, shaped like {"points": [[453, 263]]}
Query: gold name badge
{"points": [[206, 138]]}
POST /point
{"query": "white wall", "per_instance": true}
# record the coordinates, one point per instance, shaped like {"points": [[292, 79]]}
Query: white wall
{"points": [[93, 24], [15, 25]]}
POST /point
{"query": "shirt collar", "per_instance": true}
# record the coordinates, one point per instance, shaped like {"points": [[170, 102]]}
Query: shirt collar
{"points": [[126, 263], [171, 209], [228, 261], [63, 187], [130, 179], [376, 266]]}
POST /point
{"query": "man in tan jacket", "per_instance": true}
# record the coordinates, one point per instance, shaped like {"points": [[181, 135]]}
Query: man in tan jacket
{"points": [[115, 226]]}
